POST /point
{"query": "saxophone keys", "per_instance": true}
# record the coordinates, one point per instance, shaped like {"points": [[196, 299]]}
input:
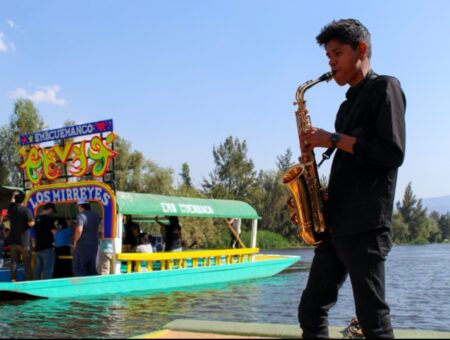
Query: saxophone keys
{"points": [[290, 202]]}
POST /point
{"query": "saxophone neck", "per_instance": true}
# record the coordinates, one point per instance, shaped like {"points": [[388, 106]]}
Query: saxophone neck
{"points": [[300, 94]]}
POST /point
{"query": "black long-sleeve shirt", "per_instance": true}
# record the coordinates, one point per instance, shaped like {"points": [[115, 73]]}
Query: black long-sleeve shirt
{"points": [[362, 185]]}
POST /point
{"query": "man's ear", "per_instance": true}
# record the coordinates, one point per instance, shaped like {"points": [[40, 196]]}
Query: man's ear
{"points": [[363, 50]]}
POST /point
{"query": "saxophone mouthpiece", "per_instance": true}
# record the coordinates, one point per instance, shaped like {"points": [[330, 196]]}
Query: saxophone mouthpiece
{"points": [[326, 76]]}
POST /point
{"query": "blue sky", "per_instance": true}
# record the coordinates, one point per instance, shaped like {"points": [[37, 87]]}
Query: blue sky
{"points": [[178, 77]]}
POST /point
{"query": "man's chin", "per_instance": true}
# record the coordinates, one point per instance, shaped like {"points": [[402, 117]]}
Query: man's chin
{"points": [[340, 82]]}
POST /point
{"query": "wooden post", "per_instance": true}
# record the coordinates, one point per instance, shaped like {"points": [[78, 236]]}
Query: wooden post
{"points": [[236, 235]]}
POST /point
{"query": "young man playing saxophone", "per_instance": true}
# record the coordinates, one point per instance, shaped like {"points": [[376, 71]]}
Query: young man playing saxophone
{"points": [[370, 146]]}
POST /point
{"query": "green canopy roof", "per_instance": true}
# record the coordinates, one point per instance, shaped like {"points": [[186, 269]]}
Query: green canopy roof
{"points": [[131, 203]]}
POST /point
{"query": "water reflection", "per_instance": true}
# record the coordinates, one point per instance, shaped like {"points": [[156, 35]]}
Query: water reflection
{"points": [[418, 287]]}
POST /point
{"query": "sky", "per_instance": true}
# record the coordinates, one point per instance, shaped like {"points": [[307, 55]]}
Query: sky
{"points": [[180, 76]]}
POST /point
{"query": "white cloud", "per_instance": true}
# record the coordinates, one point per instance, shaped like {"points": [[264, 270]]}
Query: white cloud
{"points": [[44, 94], [3, 46], [11, 24]]}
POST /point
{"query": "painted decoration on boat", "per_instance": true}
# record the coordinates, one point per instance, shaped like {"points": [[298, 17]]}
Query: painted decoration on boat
{"points": [[66, 132], [77, 158], [93, 191]]}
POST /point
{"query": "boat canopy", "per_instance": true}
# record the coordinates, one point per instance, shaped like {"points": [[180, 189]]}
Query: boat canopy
{"points": [[5, 195], [131, 203]]}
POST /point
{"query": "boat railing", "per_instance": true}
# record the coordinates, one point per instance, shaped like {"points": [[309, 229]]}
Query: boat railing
{"points": [[186, 259]]}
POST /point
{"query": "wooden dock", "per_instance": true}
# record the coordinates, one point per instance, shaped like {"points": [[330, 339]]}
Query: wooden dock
{"points": [[201, 329]]}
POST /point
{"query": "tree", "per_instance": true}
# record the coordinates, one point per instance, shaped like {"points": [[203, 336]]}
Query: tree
{"points": [[128, 166], [418, 224], [3, 171], [415, 216], [431, 231], [272, 204], [136, 174], [234, 175], [444, 226], [443, 222], [25, 119], [409, 201], [185, 175], [284, 161], [399, 229], [156, 179]]}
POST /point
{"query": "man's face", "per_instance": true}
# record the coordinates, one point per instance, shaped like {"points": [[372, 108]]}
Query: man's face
{"points": [[345, 62]]}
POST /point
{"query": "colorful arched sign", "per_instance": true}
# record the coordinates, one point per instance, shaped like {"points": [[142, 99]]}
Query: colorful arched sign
{"points": [[78, 158], [93, 191]]}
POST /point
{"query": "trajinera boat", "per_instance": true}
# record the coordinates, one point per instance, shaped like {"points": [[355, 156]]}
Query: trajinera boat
{"points": [[132, 272]]}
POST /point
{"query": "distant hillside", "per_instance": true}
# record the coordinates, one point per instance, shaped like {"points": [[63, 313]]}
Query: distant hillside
{"points": [[439, 204]]}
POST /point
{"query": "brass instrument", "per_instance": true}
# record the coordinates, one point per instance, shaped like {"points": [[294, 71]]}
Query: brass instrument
{"points": [[305, 204]]}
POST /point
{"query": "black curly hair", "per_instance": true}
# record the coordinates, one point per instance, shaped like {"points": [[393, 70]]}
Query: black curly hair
{"points": [[19, 197], [346, 31]]}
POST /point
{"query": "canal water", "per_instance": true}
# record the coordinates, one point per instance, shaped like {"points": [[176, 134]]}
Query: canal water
{"points": [[418, 290]]}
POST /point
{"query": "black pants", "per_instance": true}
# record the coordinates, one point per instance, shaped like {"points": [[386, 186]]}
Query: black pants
{"points": [[362, 258], [63, 267]]}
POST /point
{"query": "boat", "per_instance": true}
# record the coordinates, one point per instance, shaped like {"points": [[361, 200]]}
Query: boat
{"points": [[134, 272], [207, 329]]}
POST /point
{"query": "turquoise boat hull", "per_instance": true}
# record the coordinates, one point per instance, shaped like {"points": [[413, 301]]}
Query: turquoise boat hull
{"points": [[156, 281]]}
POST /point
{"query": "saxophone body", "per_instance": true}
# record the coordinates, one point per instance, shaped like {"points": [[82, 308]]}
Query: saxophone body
{"points": [[305, 204]]}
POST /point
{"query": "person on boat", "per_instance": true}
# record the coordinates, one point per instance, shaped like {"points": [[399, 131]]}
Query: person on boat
{"points": [[21, 220], [44, 230], [235, 231], [6, 246], [105, 256], [172, 234], [85, 243], [144, 244], [3, 215], [63, 247], [132, 230]]}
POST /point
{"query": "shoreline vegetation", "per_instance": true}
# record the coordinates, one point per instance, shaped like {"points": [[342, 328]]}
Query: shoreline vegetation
{"points": [[233, 177]]}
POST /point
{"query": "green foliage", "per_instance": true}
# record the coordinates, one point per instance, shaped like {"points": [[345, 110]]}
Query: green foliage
{"points": [[284, 161], [234, 175], [136, 174], [444, 225], [3, 171], [25, 119], [198, 232], [185, 175], [266, 240], [430, 231], [399, 229], [271, 202], [420, 241], [409, 201], [421, 229], [413, 215]]}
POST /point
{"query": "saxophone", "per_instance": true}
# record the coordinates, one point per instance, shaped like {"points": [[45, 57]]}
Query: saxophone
{"points": [[305, 204]]}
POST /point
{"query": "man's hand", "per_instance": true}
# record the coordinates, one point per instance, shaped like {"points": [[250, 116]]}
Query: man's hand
{"points": [[315, 137], [324, 194]]}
